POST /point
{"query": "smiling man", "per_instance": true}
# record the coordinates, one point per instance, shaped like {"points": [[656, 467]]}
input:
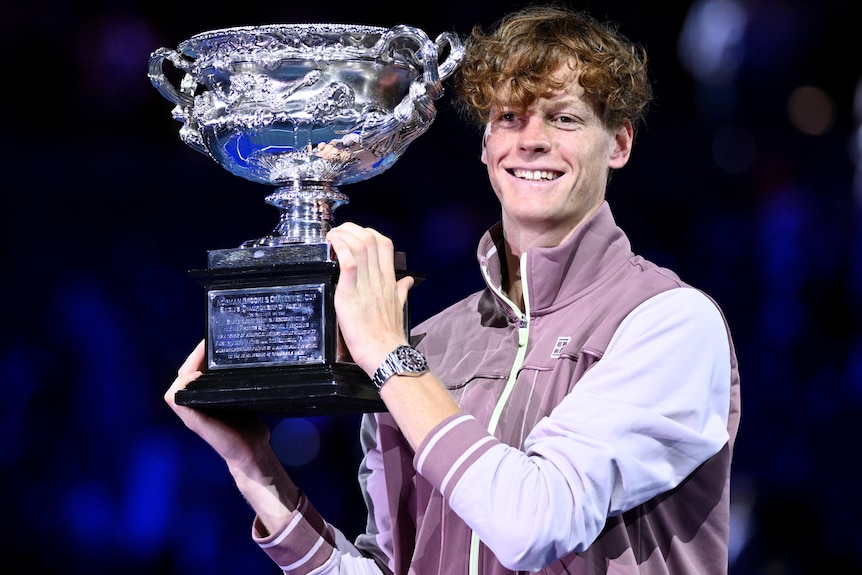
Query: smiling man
{"points": [[549, 163], [575, 416]]}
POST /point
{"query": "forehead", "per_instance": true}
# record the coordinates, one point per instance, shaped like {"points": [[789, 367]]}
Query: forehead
{"points": [[561, 86], [571, 96]]}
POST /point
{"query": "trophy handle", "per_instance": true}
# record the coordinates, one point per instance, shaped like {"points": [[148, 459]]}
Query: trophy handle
{"points": [[432, 73], [161, 82], [456, 53], [184, 100], [393, 132]]}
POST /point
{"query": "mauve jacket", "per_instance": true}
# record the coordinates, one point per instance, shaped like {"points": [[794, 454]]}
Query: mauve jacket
{"points": [[628, 473]]}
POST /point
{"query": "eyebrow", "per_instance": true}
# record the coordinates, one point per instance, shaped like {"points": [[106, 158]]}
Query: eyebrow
{"points": [[568, 100]]}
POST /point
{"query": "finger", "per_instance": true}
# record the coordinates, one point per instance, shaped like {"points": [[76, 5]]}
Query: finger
{"points": [[346, 244], [373, 252], [385, 255], [180, 383], [358, 251], [195, 360], [189, 371]]}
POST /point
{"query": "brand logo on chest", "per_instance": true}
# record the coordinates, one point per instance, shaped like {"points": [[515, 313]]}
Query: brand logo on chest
{"points": [[562, 342]]}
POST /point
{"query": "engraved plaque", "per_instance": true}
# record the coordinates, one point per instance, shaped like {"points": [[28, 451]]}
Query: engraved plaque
{"points": [[266, 326]]}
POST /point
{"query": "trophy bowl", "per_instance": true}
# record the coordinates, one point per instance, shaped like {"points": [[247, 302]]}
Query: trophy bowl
{"points": [[305, 108]]}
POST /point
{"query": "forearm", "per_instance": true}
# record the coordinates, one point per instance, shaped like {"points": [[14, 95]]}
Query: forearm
{"points": [[418, 404], [267, 488]]}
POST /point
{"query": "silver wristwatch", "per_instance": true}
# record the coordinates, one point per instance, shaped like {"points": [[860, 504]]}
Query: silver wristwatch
{"points": [[405, 360]]}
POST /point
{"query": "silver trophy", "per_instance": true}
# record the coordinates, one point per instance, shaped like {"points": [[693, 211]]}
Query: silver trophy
{"points": [[306, 108]]}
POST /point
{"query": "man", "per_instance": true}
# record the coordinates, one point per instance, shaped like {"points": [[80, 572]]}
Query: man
{"points": [[577, 415]]}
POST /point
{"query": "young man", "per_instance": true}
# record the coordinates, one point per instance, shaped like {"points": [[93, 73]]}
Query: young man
{"points": [[578, 414]]}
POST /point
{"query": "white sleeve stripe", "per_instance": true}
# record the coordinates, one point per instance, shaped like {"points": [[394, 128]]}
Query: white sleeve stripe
{"points": [[433, 441], [304, 559], [445, 483], [290, 527]]}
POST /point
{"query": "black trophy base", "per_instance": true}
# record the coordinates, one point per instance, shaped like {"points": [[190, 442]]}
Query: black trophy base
{"points": [[273, 344], [286, 391]]}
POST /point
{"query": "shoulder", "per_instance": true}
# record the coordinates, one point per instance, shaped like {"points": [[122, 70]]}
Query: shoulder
{"points": [[682, 303], [682, 318]]}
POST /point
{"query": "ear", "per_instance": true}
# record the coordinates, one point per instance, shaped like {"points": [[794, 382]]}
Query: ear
{"points": [[484, 155], [622, 149]]}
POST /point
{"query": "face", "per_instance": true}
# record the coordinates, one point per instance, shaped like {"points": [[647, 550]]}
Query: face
{"points": [[549, 165]]}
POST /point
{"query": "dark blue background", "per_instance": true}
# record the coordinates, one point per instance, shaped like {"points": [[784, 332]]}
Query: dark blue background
{"points": [[105, 209]]}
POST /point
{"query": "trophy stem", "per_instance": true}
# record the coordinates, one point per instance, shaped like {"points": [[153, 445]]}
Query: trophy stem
{"points": [[306, 213]]}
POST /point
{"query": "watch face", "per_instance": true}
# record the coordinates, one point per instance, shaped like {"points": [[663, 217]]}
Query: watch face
{"points": [[411, 359], [404, 361]]}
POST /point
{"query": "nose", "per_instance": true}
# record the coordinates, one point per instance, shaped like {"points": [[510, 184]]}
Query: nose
{"points": [[534, 135]]}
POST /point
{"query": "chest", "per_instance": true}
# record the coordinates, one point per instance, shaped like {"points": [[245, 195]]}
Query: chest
{"points": [[510, 379]]}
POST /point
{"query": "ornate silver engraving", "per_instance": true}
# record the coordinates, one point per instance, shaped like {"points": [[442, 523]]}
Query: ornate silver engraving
{"points": [[306, 107]]}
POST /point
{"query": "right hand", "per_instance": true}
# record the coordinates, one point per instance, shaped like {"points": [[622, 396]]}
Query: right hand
{"points": [[237, 437]]}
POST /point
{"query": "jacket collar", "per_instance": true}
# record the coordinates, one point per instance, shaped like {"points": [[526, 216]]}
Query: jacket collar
{"points": [[558, 274]]}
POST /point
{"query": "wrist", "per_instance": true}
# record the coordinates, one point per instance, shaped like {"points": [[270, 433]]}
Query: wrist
{"points": [[266, 486], [403, 360]]}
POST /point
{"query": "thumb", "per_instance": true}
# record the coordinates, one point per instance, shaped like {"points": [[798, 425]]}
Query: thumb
{"points": [[403, 287]]}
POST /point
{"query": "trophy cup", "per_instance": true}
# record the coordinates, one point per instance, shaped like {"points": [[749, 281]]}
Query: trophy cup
{"points": [[306, 108]]}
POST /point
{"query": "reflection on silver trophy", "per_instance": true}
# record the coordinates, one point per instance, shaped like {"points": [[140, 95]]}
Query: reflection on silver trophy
{"points": [[306, 108]]}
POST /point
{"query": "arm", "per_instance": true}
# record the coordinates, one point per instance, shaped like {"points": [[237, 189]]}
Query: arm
{"points": [[287, 526], [369, 304]]}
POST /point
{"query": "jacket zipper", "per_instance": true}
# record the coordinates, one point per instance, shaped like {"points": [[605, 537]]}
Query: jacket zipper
{"points": [[523, 337]]}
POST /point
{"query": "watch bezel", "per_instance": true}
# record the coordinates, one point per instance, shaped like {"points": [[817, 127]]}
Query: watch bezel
{"points": [[403, 360], [411, 359]]}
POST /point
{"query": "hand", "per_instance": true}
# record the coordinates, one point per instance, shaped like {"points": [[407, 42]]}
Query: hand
{"points": [[369, 302], [242, 440], [236, 437]]}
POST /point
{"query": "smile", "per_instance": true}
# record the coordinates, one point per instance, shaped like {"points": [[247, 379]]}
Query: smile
{"points": [[535, 175]]}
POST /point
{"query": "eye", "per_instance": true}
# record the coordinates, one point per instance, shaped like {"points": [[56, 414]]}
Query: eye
{"points": [[565, 121], [506, 120]]}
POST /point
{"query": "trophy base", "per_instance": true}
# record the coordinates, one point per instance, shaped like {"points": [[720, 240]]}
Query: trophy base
{"points": [[273, 343], [289, 392]]}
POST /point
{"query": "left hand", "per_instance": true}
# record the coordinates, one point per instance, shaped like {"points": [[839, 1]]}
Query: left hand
{"points": [[369, 301]]}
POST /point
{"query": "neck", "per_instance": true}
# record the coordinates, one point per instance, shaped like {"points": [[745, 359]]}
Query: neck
{"points": [[520, 237]]}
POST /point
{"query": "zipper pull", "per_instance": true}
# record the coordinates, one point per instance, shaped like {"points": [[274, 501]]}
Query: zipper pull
{"points": [[523, 331]]}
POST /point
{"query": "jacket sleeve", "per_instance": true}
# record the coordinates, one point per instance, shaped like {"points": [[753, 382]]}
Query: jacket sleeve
{"points": [[642, 419], [307, 545]]}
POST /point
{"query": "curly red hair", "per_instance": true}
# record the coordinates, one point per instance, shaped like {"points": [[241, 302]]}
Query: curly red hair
{"points": [[515, 64]]}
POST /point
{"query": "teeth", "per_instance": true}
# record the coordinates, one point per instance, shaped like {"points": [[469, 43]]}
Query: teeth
{"points": [[535, 175]]}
